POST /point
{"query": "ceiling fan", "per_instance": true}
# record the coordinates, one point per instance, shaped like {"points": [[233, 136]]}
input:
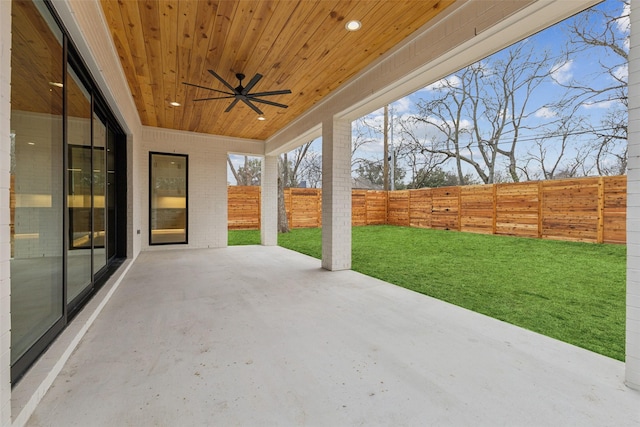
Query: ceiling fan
{"points": [[241, 93]]}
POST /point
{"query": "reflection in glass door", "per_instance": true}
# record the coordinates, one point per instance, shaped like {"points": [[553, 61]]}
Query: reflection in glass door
{"points": [[79, 186], [111, 194], [168, 198], [99, 194], [36, 184]]}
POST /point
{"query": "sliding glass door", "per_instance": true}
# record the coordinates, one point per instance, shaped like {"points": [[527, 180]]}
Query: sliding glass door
{"points": [[67, 191]]}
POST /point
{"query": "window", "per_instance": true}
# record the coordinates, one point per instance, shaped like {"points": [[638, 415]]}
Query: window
{"points": [[168, 198]]}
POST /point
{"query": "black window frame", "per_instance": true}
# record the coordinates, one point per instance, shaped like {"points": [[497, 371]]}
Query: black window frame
{"points": [[186, 188]]}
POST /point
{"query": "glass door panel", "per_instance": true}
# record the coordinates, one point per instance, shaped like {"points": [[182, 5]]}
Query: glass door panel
{"points": [[79, 186], [111, 194], [168, 204], [36, 172], [99, 194]]}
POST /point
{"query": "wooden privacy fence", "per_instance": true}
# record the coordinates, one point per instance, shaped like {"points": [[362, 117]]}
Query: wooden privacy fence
{"points": [[584, 209]]}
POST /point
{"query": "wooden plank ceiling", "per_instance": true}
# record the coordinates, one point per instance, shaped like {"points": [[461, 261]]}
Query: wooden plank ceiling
{"points": [[301, 45]]}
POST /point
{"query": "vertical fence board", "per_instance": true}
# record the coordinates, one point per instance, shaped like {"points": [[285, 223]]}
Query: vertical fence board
{"points": [[358, 207], [398, 210], [615, 209], [444, 213], [421, 207], [517, 209], [376, 207], [570, 210], [243, 208], [305, 208], [477, 209]]}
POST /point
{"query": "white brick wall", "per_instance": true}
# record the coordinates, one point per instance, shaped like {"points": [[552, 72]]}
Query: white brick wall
{"points": [[633, 207], [207, 209], [269, 200], [5, 161], [336, 195]]}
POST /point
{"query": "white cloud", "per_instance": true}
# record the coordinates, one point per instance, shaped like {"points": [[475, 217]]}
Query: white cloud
{"points": [[623, 23], [450, 81], [402, 105], [601, 104], [622, 72], [562, 73], [545, 113]]}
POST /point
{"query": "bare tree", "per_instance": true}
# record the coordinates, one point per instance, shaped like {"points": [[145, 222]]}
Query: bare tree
{"points": [[247, 174], [415, 153], [480, 113], [289, 176], [366, 133], [557, 149], [603, 32]]}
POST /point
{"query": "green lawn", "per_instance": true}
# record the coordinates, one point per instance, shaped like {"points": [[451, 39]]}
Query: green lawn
{"points": [[574, 292]]}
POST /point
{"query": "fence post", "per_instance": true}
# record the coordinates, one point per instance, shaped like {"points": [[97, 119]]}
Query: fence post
{"points": [[459, 208], [494, 225], [540, 210], [319, 205], [600, 234], [386, 208]]}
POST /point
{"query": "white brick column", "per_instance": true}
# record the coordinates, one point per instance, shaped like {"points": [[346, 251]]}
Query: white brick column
{"points": [[336, 195], [5, 246], [633, 207], [269, 201]]}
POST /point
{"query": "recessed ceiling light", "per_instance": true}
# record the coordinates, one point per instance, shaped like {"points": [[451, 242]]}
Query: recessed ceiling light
{"points": [[174, 104], [56, 84], [261, 118], [353, 25], [31, 143]]}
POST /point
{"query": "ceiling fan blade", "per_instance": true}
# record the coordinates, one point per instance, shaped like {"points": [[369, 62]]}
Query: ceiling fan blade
{"points": [[251, 83], [233, 104], [273, 92], [217, 97], [253, 107], [227, 85], [207, 88], [264, 101]]}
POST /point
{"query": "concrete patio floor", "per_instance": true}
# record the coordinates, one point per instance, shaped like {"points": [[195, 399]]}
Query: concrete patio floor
{"points": [[262, 336]]}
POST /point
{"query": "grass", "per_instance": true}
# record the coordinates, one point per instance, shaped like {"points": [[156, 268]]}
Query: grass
{"points": [[574, 292], [244, 237]]}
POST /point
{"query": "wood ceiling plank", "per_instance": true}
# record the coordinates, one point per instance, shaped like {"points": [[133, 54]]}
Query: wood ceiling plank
{"points": [[212, 34], [150, 21], [378, 40], [113, 16], [239, 23], [258, 26], [318, 43], [168, 15], [186, 35], [135, 34]]}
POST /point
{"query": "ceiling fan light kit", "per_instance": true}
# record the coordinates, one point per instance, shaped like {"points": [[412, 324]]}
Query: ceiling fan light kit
{"points": [[242, 93]]}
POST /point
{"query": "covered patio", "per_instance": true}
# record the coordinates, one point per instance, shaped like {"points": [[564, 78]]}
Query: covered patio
{"points": [[262, 335], [198, 333]]}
